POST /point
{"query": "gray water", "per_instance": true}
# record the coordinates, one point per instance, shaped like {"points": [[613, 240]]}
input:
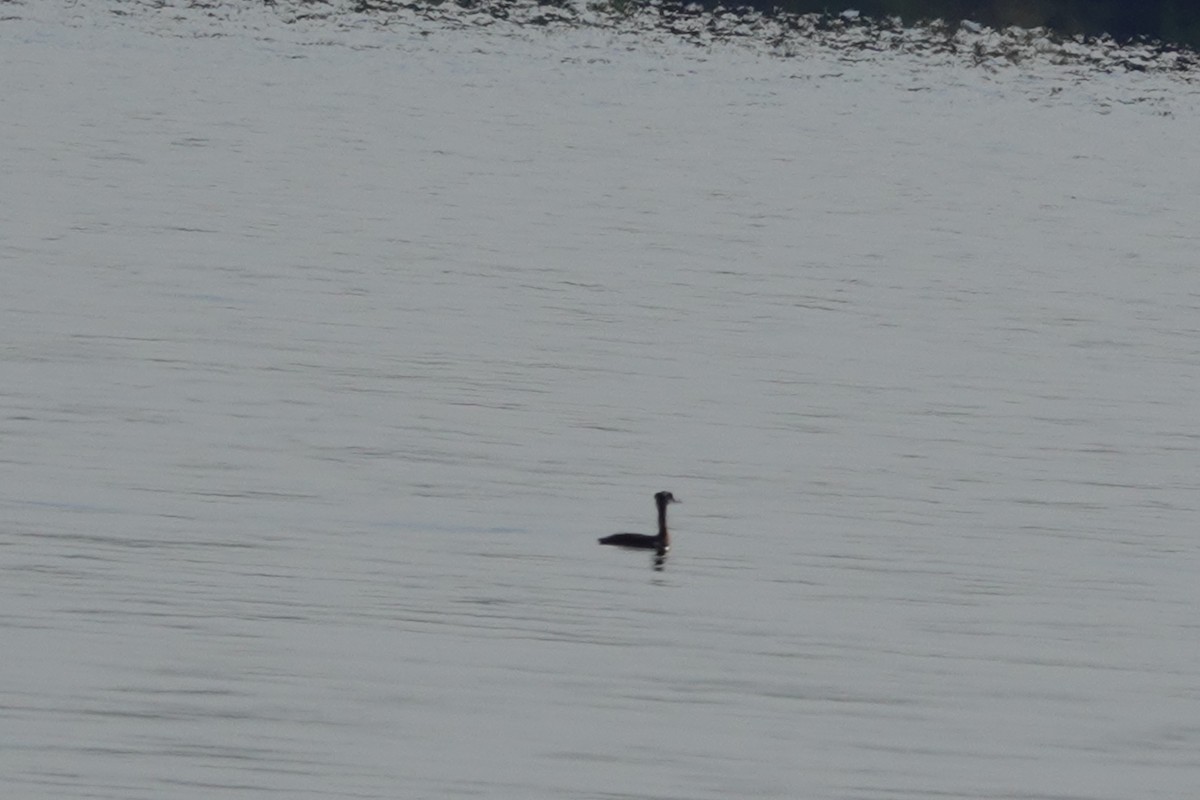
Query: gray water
{"points": [[326, 358]]}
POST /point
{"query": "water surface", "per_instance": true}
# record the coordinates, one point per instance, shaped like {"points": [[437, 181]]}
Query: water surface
{"points": [[327, 356]]}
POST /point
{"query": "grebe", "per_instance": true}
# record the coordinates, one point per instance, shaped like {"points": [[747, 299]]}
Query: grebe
{"points": [[641, 541]]}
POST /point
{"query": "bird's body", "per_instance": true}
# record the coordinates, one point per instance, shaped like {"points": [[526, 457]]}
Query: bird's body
{"points": [[660, 543], [633, 541]]}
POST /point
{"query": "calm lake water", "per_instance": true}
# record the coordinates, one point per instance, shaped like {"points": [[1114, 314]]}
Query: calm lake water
{"points": [[328, 352]]}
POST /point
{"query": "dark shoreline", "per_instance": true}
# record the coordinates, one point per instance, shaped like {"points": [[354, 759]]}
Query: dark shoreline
{"points": [[849, 35]]}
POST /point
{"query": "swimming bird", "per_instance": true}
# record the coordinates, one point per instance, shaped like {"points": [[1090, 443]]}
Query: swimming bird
{"points": [[642, 541]]}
